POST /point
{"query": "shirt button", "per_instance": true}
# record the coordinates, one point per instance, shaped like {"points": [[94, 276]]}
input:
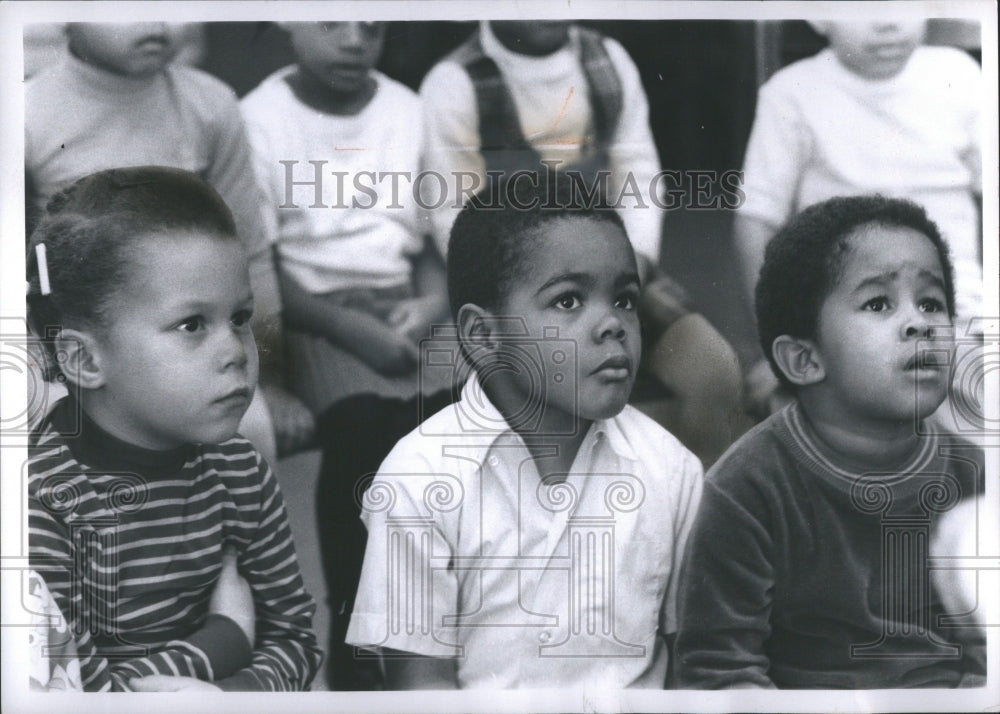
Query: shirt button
{"points": [[544, 636], [494, 461]]}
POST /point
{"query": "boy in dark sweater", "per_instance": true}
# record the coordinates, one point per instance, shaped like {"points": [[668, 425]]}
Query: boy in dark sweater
{"points": [[807, 566]]}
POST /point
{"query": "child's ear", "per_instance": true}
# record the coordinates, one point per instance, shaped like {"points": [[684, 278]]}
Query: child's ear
{"points": [[79, 358], [799, 360], [476, 326]]}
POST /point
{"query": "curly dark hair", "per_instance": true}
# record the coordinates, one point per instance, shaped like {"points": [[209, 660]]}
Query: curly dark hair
{"points": [[89, 231], [803, 261], [492, 238]]}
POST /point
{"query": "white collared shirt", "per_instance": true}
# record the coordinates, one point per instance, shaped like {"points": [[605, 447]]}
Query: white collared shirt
{"points": [[568, 584]]}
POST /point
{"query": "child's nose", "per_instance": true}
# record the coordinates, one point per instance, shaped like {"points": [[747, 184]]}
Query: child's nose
{"points": [[232, 350], [354, 34], [609, 326], [917, 324]]}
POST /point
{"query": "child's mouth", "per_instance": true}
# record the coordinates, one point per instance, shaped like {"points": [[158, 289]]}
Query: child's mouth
{"points": [[614, 368], [153, 43], [348, 70], [234, 398], [890, 51], [926, 361]]}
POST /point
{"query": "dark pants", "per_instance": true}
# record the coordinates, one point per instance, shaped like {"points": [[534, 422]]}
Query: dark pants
{"points": [[356, 435]]}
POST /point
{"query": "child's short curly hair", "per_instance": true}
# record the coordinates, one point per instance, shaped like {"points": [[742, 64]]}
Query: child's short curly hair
{"points": [[89, 231], [493, 235], [803, 261]]}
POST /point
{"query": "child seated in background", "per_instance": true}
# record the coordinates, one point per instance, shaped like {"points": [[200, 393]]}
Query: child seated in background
{"points": [[116, 98], [520, 92], [475, 576], [139, 488], [361, 284], [689, 377], [799, 571], [875, 112]]}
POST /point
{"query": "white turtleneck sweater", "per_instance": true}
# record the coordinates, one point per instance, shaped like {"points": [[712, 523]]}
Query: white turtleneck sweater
{"points": [[80, 119]]}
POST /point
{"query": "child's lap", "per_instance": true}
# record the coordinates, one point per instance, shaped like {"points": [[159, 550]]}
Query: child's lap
{"points": [[323, 373]]}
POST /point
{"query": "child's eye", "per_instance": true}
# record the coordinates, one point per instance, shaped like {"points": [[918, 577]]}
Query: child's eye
{"points": [[879, 304], [567, 302], [931, 305], [191, 324], [242, 318], [626, 301]]}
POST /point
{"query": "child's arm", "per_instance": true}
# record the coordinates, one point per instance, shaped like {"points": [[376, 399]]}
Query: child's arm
{"points": [[217, 649], [691, 480], [415, 316], [778, 150], [375, 343], [285, 656], [390, 615], [751, 236], [451, 144], [633, 158], [231, 172], [409, 671], [724, 598]]}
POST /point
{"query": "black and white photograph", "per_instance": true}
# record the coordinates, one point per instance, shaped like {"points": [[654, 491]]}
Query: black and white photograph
{"points": [[499, 356]]}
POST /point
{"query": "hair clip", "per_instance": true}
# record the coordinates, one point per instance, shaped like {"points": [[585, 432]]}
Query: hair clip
{"points": [[43, 269]]}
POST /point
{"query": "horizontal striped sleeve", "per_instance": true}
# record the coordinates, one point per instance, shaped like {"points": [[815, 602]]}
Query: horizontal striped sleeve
{"points": [[53, 556], [286, 656], [74, 544]]}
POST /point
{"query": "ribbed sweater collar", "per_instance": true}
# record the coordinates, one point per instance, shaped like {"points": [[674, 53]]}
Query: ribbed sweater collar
{"points": [[93, 446]]}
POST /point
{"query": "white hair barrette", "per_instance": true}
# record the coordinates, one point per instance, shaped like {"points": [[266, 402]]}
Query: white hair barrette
{"points": [[43, 269]]}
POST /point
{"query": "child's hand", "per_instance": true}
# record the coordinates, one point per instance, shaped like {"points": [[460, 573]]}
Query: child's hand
{"points": [[414, 317], [232, 597], [170, 683], [384, 348], [294, 426], [764, 395]]}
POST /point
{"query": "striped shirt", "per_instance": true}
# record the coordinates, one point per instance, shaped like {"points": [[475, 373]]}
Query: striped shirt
{"points": [[130, 544]]}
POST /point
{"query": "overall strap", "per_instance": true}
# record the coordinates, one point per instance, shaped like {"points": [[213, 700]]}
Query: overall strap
{"points": [[499, 122], [502, 142], [603, 82]]}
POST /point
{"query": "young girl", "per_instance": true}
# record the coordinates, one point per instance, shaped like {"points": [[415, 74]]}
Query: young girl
{"points": [[138, 483]]}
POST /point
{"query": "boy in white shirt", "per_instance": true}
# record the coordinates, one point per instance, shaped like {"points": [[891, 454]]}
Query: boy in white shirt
{"points": [[529, 535], [522, 99]]}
